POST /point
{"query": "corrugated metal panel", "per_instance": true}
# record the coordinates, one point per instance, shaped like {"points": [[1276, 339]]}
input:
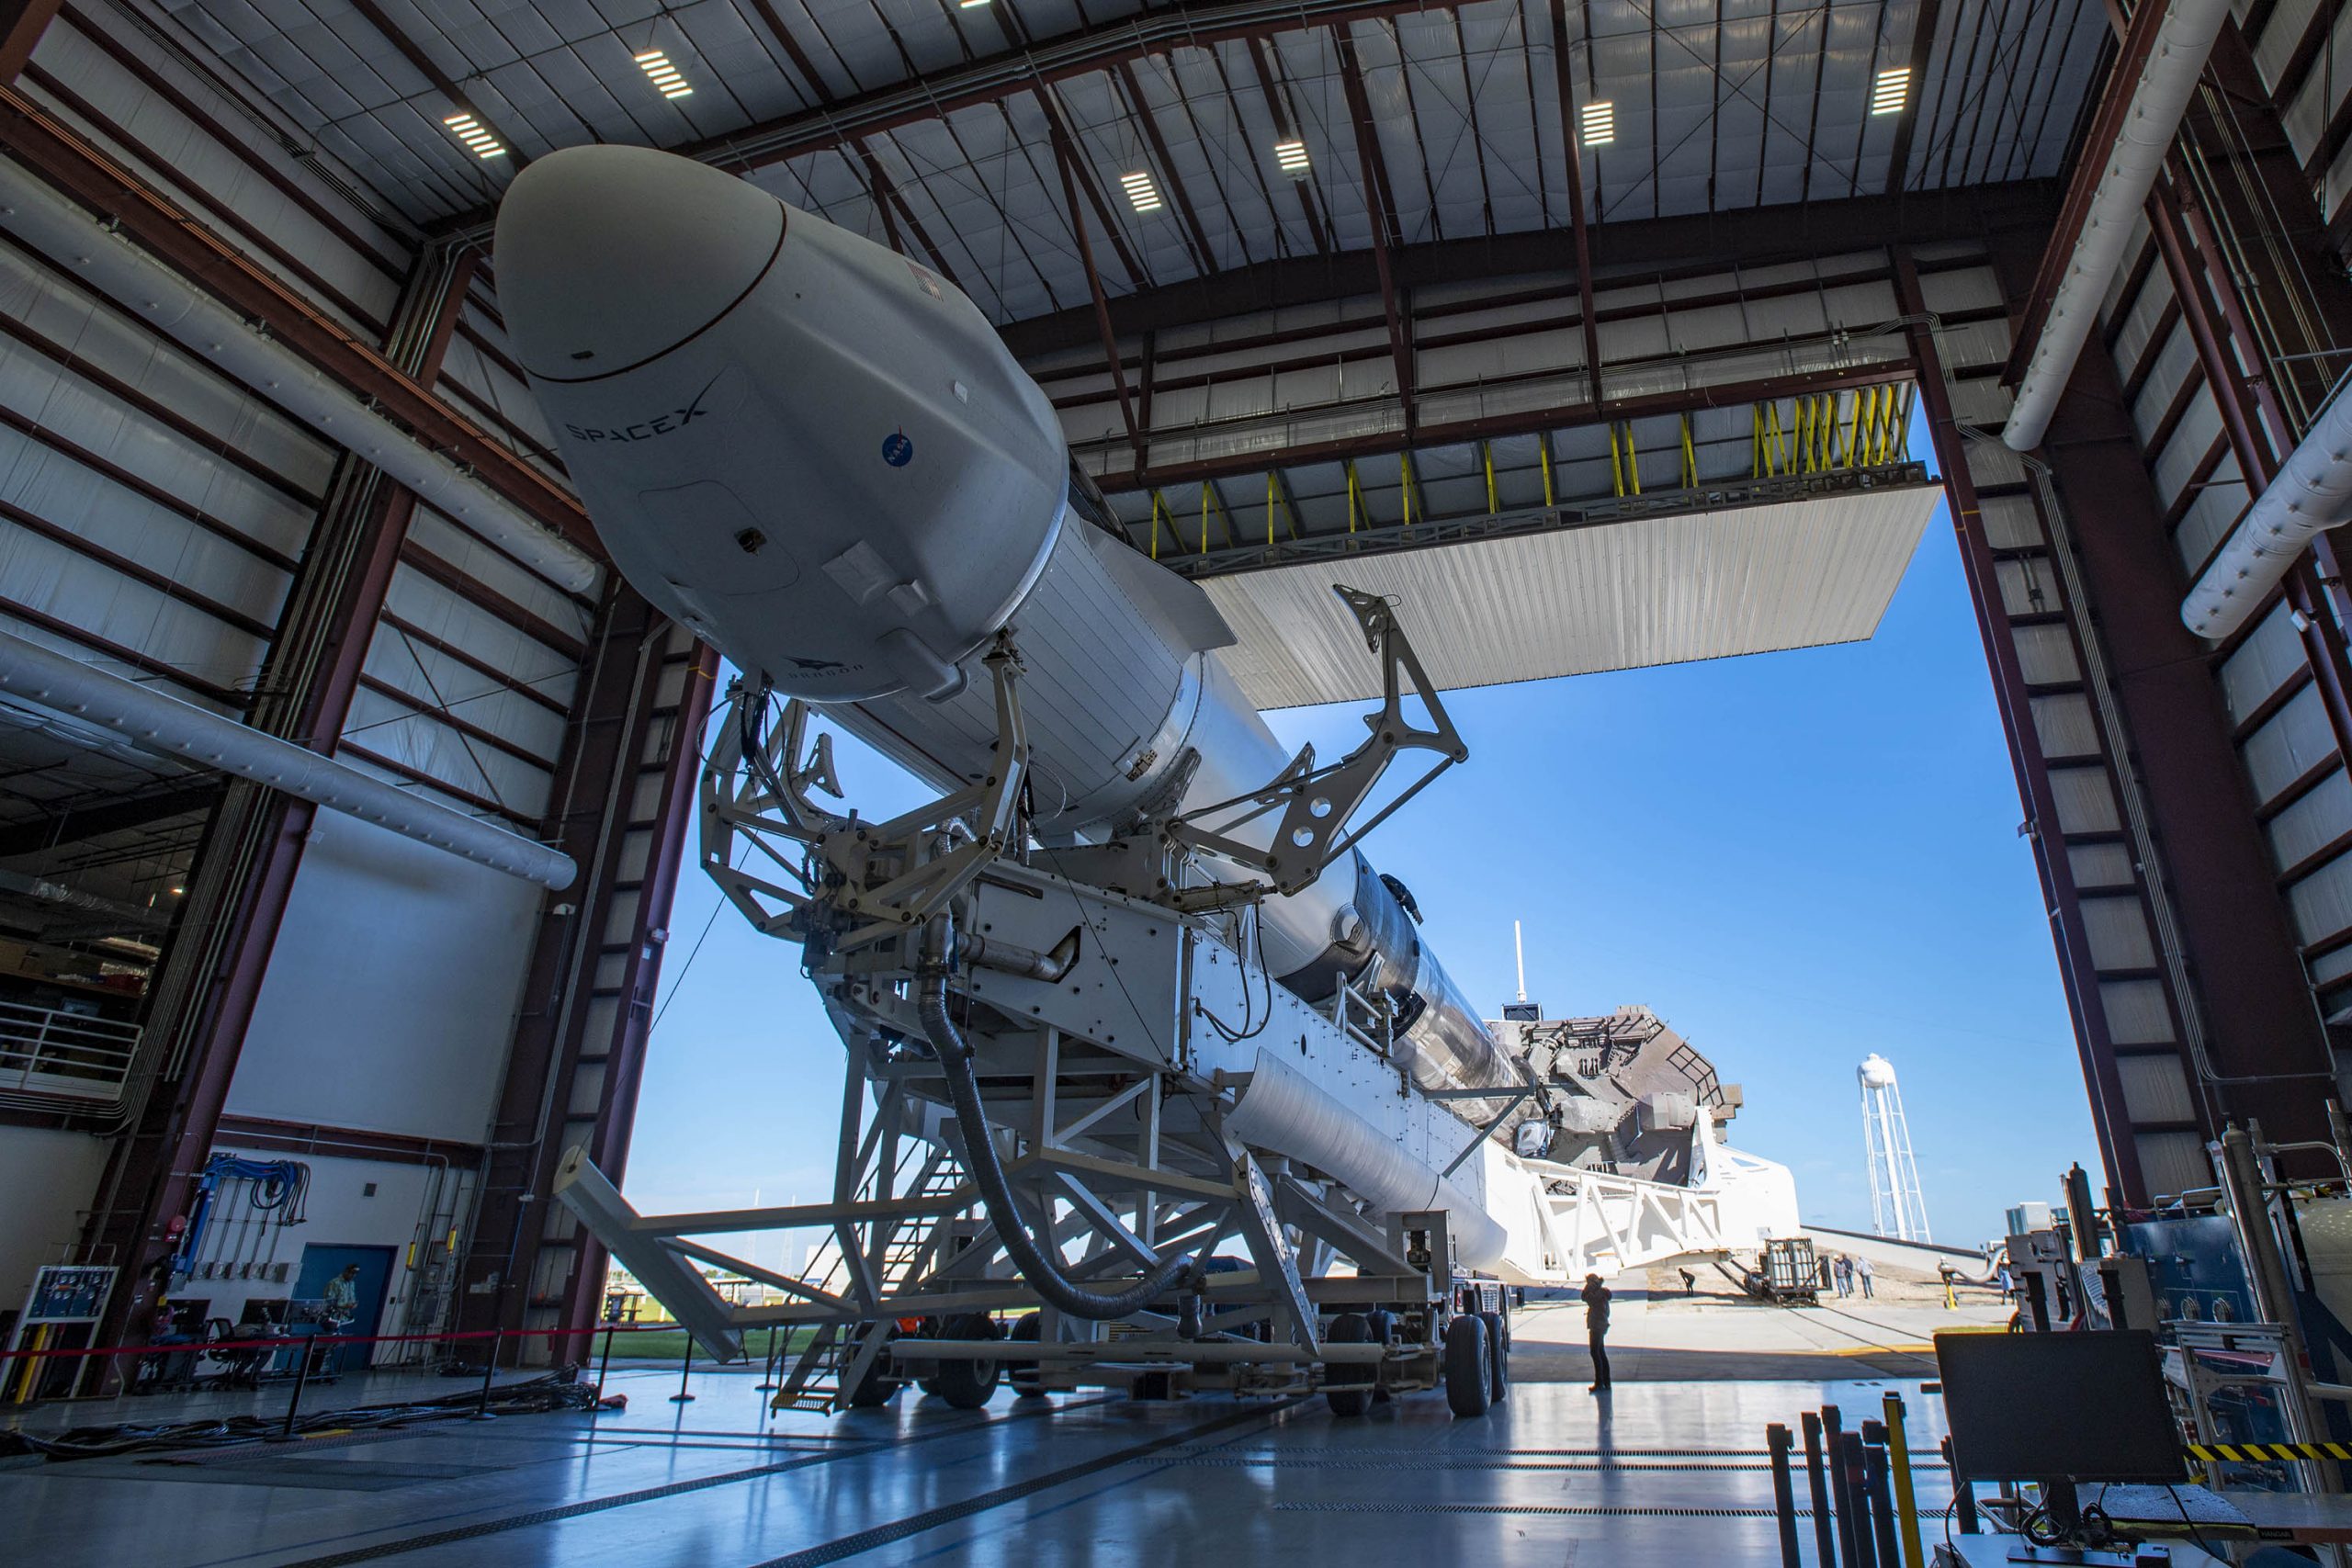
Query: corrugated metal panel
{"points": [[2136, 1014], [2099, 865], [2117, 930], [2155, 1089], [1656, 590], [2173, 1163]]}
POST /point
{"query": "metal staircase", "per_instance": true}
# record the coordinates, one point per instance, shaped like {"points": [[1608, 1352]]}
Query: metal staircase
{"points": [[836, 1358]]}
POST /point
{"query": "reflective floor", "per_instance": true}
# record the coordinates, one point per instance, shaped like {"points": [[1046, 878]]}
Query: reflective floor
{"points": [[1657, 1471]]}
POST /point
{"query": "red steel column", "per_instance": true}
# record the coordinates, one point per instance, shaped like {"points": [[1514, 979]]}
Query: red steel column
{"points": [[577, 1060], [2076, 972], [2241, 950]]}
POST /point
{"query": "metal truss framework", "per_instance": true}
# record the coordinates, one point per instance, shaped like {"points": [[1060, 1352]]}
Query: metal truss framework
{"points": [[1120, 1156]]}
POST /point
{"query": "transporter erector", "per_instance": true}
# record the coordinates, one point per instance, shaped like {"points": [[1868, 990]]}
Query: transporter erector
{"points": [[1136, 1035]]}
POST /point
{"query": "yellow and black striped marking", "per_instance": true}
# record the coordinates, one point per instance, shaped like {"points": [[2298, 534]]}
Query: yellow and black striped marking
{"points": [[2253, 1452]]}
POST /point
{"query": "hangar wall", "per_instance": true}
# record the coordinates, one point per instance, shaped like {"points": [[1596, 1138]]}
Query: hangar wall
{"points": [[300, 986]]}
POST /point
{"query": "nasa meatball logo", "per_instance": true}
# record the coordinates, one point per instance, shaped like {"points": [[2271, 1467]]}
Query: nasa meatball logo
{"points": [[896, 450]]}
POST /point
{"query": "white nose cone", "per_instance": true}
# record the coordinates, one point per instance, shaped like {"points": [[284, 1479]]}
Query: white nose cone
{"points": [[609, 257]]}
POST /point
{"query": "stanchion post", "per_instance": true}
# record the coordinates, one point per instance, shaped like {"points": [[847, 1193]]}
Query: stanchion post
{"points": [[1853, 1504], [1963, 1493], [604, 1365], [302, 1382], [489, 1370], [1816, 1483], [686, 1370], [1881, 1503], [1907, 1497], [767, 1383], [1778, 1442]]}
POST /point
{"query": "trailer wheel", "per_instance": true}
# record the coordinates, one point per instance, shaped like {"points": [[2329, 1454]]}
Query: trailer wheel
{"points": [[1384, 1331], [969, 1385], [1022, 1375], [1469, 1375], [1350, 1328], [1497, 1354]]}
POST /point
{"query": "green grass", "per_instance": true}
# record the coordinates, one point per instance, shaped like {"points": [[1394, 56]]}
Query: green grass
{"points": [[670, 1345]]}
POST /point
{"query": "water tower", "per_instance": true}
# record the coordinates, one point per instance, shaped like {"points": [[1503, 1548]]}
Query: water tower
{"points": [[1896, 1208]]}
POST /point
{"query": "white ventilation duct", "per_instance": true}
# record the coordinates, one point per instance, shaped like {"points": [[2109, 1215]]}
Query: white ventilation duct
{"points": [[2158, 100], [160, 296], [1285, 1114], [2312, 492], [169, 728]]}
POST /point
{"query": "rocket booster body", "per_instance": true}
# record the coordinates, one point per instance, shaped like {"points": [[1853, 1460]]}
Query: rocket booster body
{"points": [[821, 457]]}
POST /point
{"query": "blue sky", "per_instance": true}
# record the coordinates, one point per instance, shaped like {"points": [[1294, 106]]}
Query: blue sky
{"points": [[1795, 859]]}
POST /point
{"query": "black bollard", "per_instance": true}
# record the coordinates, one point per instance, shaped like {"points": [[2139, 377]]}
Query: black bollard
{"points": [[1817, 1484], [1841, 1495], [686, 1370], [1778, 1442], [294, 1405], [1964, 1492], [1881, 1507], [1853, 1508], [480, 1411]]}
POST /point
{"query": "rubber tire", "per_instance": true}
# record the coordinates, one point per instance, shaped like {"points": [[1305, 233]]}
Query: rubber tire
{"points": [[969, 1385], [1022, 1375], [1469, 1374], [1497, 1354], [876, 1389], [1349, 1328]]}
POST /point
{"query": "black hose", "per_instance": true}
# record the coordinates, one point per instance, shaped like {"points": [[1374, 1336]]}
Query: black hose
{"points": [[1036, 1265]]}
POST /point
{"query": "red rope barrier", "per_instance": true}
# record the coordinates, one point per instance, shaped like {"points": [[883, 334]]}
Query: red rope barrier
{"points": [[206, 1346]]}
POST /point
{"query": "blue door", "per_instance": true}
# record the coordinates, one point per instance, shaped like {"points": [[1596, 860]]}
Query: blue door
{"points": [[321, 1263]]}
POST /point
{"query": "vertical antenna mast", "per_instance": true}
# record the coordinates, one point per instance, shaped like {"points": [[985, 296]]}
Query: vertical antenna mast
{"points": [[1519, 951]]}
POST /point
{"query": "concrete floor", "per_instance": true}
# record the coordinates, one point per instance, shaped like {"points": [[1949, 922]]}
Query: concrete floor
{"points": [[1667, 1468]]}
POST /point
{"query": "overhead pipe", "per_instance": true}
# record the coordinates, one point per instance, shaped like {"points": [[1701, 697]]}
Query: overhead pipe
{"points": [[2158, 100], [89, 251], [167, 727], [2310, 492]]}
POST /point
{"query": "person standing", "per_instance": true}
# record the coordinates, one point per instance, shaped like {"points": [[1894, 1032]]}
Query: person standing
{"points": [[1596, 1329], [1862, 1271], [1845, 1275], [339, 1307], [1690, 1282]]}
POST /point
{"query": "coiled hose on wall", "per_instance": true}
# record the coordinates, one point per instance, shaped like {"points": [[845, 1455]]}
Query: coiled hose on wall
{"points": [[1038, 1267]]}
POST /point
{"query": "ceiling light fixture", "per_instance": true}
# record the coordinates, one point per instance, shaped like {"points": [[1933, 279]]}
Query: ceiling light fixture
{"points": [[664, 76], [479, 142], [1142, 193], [1291, 156], [1893, 91], [1598, 123], [970, 4]]}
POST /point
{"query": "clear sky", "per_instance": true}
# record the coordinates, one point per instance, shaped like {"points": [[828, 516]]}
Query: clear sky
{"points": [[1794, 859]]}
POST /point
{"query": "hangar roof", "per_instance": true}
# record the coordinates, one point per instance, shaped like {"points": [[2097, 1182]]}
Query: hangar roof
{"points": [[1207, 136]]}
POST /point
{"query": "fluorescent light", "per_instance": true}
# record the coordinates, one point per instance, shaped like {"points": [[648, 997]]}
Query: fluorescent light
{"points": [[1142, 193], [1291, 156], [1893, 91], [970, 4], [664, 75], [479, 142], [1598, 123]]}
